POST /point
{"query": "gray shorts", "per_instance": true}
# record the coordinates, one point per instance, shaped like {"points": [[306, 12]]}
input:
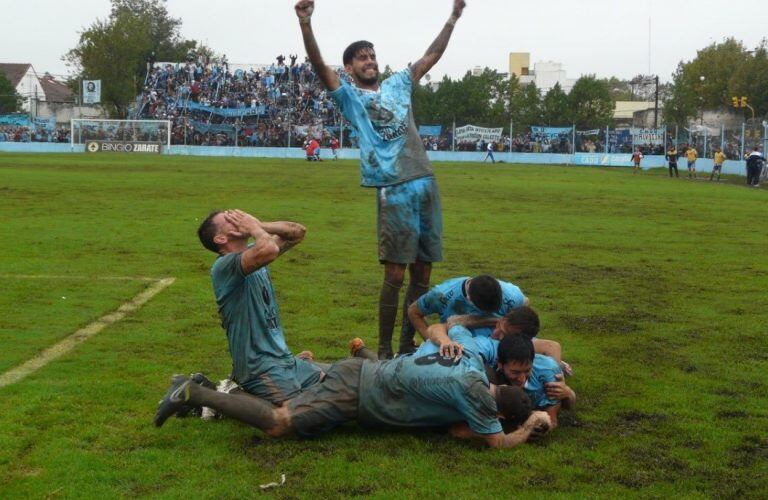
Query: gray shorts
{"points": [[410, 222], [330, 403]]}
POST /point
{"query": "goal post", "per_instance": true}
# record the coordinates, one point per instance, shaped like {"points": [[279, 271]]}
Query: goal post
{"points": [[127, 136]]}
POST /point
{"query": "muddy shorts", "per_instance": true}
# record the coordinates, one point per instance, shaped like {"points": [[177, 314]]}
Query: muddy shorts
{"points": [[410, 222], [330, 403]]}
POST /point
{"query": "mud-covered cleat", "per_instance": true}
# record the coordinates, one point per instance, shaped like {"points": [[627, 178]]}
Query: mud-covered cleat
{"points": [[195, 411], [358, 350], [174, 399]]}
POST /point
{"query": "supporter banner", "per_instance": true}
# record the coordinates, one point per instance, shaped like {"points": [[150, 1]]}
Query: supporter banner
{"points": [[122, 147], [16, 120], [91, 91], [620, 136], [589, 132], [225, 112], [647, 135], [435, 130], [219, 128], [48, 124], [472, 133], [550, 132]]}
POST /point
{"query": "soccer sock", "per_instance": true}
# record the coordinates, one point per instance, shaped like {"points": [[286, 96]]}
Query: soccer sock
{"points": [[387, 316], [243, 407], [407, 332]]}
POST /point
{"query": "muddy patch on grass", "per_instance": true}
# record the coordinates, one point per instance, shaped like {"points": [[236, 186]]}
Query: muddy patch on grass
{"points": [[729, 414], [753, 449], [611, 323]]}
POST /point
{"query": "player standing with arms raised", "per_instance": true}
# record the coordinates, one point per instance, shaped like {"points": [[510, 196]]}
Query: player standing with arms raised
{"points": [[392, 160]]}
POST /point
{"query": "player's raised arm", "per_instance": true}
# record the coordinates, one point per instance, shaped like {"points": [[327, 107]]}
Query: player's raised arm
{"points": [[287, 234], [435, 51], [304, 9], [264, 249]]}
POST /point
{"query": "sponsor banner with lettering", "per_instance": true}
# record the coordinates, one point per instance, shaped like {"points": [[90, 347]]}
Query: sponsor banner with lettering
{"points": [[647, 135], [550, 132], [472, 133], [430, 130], [122, 147], [91, 91]]}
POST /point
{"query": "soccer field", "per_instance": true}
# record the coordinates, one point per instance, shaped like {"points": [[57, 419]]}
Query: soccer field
{"points": [[656, 288]]}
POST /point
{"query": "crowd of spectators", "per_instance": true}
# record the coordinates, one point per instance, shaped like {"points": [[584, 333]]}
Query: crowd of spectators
{"points": [[211, 103], [15, 133]]}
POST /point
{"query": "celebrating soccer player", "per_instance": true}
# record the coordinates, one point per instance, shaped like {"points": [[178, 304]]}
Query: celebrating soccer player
{"points": [[392, 160]]}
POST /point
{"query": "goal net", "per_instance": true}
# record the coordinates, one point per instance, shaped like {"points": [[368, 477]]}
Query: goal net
{"points": [[129, 136]]}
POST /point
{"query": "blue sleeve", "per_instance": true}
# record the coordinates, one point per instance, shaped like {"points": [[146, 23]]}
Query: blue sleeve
{"points": [[432, 302], [351, 106], [227, 273], [464, 337], [547, 373], [488, 349], [478, 408], [513, 297]]}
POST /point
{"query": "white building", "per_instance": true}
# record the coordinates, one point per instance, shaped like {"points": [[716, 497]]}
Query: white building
{"points": [[545, 74], [25, 81]]}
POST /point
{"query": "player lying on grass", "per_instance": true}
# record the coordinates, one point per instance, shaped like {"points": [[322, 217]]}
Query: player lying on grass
{"points": [[410, 391], [482, 296], [262, 363], [541, 378]]}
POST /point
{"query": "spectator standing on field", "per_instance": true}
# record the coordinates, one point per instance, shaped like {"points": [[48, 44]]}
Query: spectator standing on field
{"points": [[691, 154], [489, 153], [718, 168], [755, 162], [637, 156], [672, 159]]}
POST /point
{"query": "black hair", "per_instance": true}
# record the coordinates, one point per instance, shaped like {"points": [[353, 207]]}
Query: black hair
{"points": [[517, 348], [513, 404], [485, 293], [351, 51], [524, 320], [207, 231]]}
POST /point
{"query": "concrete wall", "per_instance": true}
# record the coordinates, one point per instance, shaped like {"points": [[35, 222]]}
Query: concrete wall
{"points": [[578, 159], [64, 111]]}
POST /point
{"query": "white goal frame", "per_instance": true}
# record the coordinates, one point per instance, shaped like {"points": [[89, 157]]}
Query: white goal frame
{"points": [[73, 121]]}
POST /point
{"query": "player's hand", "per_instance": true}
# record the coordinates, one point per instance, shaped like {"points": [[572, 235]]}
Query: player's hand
{"points": [[305, 8], [556, 390], [451, 349], [539, 423], [567, 368], [458, 8], [244, 223], [306, 356]]}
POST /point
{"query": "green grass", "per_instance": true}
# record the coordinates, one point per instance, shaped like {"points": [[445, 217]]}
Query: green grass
{"points": [[655, 287]]}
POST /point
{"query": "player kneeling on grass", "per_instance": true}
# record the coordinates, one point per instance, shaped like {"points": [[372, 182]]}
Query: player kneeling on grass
{"points": [[409, 391]]}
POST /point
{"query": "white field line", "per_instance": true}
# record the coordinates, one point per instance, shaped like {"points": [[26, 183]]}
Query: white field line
{"points": [[68, 344]]}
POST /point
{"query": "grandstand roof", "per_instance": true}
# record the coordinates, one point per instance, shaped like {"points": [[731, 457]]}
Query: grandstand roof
{"points": [[55, 91], [14, 72]]}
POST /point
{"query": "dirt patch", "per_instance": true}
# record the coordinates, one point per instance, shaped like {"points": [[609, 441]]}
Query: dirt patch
{"points": [[752, 449], [728, 414], [614, 323]]}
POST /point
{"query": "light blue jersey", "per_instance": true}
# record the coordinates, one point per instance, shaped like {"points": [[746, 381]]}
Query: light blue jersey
{"points": [[449, 298], [543, 371], [261, 360], [391, 151], [428, 390]]}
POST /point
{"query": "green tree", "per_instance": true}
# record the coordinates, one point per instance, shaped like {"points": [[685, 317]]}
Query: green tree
{"points": [[10, 101], [114, 50], [555, 110], [525, 106], [590, 103], [717, 73]]}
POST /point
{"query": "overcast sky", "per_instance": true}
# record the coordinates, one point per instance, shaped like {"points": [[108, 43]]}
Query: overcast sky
{"points": [[604, 37]]}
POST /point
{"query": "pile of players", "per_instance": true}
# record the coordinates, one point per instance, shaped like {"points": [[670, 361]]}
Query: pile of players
{"points": [[481, 371]]}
